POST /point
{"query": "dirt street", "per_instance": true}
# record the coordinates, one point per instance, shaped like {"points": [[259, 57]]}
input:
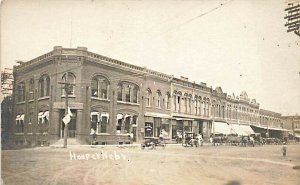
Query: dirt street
{"points": [[133, 166]]}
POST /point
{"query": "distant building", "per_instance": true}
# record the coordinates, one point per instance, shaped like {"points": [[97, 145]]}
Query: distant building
{"points": [[118, 101], [292, 123], [271, 124]]}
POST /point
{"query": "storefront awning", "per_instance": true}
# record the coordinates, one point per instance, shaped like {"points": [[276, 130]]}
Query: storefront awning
{"points": [[18, 117], [127, 115], [119, 116], [237, 129], [184, 119], [259, 126], [94, 113], [247, 129], [46, 115], [157, 115], [278, 129], [243, 130], [221, 128], [297, 135], [104, 114], [22, 117]]}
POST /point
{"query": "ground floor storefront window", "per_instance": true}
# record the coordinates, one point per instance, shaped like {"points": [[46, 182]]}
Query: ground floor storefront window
{"points": [[148, 129], [127, 124], [99, 122], [71, 125]]}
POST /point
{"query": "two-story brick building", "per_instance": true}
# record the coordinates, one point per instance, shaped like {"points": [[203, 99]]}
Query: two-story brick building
{"points": [[118, 100]]}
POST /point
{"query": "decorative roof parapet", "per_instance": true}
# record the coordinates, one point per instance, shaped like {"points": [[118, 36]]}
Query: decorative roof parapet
{"points": [[269, 113], [185, 82]]}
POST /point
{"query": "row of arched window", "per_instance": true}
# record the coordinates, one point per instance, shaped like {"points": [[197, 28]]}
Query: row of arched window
{"points": [[158, 101], [233, 112], [43, 87], [271, 121], [186, 104]]}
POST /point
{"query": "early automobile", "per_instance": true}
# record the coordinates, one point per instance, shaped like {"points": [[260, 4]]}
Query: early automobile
{"points": [[190, 139], [152, 143]]}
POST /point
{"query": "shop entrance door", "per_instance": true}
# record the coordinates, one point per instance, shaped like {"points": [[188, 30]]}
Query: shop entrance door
{"points": [[71, 124]]}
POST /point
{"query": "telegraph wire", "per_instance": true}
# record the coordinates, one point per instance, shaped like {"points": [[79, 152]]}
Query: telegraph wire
{"points": [[197, 17], [178, 14]]}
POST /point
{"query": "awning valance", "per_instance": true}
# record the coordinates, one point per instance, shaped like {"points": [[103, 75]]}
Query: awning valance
{"points": [[95, 113], [104, 114], [18, 117], [119, 116], [127, 115], [46, 115], [22, 117]]}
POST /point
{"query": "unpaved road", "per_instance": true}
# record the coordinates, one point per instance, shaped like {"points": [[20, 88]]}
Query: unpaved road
{"points": [[133, 166]]}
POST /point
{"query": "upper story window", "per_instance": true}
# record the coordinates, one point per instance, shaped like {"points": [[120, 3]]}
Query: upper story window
{"points": [[158, 99], [21, 92], [189, 103], [100, 87], [127, 92], [185, 103], [20, 123], [196, 104], [168, 100], [135, 93], [148, 97], [120, 92], [69, 78], [31, 89], [44, 85], [128, 89]]}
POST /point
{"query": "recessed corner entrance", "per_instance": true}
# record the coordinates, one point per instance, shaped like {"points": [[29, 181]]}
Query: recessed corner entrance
{"points": [[71, 125]]}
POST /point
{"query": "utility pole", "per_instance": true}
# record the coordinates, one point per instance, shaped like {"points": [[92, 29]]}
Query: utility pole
{"points": [[67, 88]]}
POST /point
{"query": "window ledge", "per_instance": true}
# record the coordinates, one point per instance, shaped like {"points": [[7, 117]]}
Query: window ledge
{"points": [[128, 103], [19, 133], [100, 99], [21, 102], [44, 98], [29, 133], [30, 100], [101, 134], [69, 96]]}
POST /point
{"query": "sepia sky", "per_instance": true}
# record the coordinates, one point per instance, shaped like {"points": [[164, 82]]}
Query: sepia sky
{"points": [[240, 45]]}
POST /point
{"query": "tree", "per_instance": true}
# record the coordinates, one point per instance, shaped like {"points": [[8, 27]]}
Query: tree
{"points": [[6, 119]]}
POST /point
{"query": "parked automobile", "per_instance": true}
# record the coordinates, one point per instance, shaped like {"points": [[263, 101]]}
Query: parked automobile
{"points": [[190, 139], [152, 143]]}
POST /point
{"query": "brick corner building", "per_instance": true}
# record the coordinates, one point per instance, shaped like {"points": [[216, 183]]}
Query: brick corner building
{"points": [[119, 101]]}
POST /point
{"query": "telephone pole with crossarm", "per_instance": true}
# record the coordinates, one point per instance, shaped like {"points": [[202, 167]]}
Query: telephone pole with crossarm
{"points": [[67, 88]]}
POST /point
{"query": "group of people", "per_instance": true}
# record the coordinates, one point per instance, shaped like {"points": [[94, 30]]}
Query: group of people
{"points": [[189, 139]]}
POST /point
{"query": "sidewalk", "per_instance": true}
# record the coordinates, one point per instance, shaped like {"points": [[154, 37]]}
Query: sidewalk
{"points": [[135, 145]]}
